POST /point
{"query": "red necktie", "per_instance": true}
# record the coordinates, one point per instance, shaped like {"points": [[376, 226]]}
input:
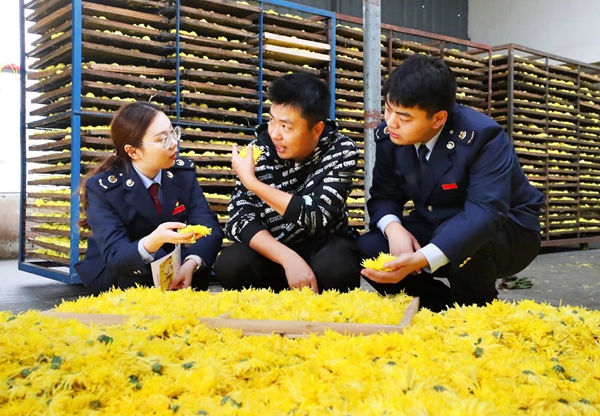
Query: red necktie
{"points": [[153, 189]]}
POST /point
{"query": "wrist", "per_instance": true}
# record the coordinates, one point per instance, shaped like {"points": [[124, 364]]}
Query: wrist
{"points": [[150, 244], [421, 260], [195, 261], [392, 228]]}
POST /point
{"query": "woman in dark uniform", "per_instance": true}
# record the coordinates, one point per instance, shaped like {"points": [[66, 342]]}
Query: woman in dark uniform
{"points": [[137, 199]]}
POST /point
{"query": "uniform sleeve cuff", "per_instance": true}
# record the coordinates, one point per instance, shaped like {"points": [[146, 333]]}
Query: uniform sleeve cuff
{"points": [[199, 262], [435, 257], [147, 258], [385, 221]]}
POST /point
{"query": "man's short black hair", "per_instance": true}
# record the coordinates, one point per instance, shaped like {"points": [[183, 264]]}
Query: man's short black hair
{"points": [[422, 81], [305, 92]]}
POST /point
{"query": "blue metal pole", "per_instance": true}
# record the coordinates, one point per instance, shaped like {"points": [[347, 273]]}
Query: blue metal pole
{"points": [[76, 65], [372, 80], [260, 62], [332, 66], [177, 63], [299, 7], [22, 131]]}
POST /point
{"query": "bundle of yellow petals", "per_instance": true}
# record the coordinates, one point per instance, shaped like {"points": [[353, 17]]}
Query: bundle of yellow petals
{"points": [[379, 262], [198, 230], [256, 152], [503, 359]]}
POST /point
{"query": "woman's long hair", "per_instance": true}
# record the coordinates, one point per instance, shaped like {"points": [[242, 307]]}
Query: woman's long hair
{"points": [[128, 127]]}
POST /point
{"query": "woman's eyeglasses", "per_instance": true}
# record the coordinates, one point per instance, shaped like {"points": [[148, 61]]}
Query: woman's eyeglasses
{"points": [[167, 141]]}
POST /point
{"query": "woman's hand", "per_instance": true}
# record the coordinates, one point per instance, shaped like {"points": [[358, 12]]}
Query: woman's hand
{"points": [[183, 279], [167, 233]]}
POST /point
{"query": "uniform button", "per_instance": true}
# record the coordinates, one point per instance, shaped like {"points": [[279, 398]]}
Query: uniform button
{"points": [[468, 258], [460, 267], [429, 208]]}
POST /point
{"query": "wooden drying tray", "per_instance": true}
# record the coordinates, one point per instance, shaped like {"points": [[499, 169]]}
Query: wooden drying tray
{"points": [[94, 23], [99, 89], [347, 42], [465, 64], [210, 29], [55, 259], [213, 112], [349, 83], [196, 88], [215, 183], [98, 52], [348, 64], [293, 55], [216, 53], [292, 42], [199, 139], [292, 329], [221, 77], [225, 7], [50, 246], [300, 34], [62, 233], [356, 35], [307, 25], [213, 64], [279, 69], [214, 18]]}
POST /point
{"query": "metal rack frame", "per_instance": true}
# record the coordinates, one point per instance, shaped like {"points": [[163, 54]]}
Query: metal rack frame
{"points": [[47, 268], [547, 60]]}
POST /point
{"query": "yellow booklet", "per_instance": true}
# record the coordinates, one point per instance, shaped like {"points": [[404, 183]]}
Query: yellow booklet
{"points": [[165, 269]]}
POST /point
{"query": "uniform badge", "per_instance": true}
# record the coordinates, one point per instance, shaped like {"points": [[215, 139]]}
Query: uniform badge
{"points": [[178, 209], [129, 182], [179, 162], [472, 137], [451, 132], [386, 130], [169, 174], [101, 184], [450, 145], [112, 179], [191, 163], [462, 135]]}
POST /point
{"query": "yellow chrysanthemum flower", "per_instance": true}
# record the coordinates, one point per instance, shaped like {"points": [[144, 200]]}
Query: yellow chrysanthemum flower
{"points": [[199, 231], [256, 152], [378, 263]]}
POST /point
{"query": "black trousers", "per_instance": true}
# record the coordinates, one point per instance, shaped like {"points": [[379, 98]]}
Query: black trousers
{"points": [[107, 280], [508, 252], [333, 259]]}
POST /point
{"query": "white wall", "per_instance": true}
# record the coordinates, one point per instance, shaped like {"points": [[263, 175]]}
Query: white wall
{"points": [[567, 28]]}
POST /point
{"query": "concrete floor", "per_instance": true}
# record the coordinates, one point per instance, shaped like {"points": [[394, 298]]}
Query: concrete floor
{"points": [[563, 276]]}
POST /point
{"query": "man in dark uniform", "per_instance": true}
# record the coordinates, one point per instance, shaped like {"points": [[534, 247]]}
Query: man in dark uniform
{"points": [[476, 215]]}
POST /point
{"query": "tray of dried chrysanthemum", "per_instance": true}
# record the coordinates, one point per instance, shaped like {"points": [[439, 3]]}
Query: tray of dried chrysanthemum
{"points": [[256, 312]]}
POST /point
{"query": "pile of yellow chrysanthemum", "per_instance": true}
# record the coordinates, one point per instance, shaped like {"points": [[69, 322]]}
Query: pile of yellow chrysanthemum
{"points": [[503, 359]]}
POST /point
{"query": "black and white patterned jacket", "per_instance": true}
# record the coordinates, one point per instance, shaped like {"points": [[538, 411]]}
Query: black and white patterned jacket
{"points": [[320, 186]]}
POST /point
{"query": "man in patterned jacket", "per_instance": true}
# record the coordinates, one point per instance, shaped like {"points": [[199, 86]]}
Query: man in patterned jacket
{"points": [[288, 214]]}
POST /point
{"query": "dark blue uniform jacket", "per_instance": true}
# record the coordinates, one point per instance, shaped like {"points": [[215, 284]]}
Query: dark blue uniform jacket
{"points": [[121, 212], [473, 182]]}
